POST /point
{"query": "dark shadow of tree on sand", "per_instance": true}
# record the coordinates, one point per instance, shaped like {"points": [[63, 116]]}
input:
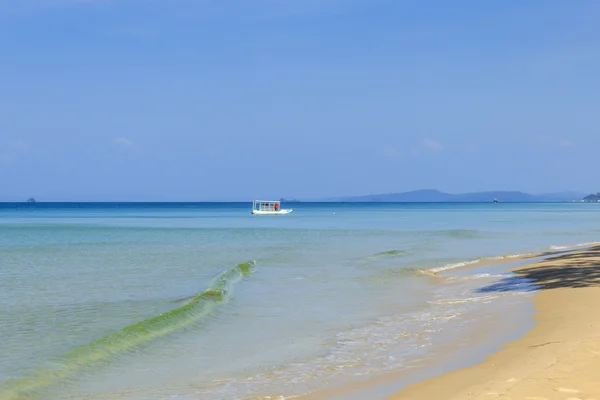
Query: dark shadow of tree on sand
{"points": [[579, 269]]}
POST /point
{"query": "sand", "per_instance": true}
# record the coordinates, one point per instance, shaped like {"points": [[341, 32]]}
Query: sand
{"points": [[558, 359]]}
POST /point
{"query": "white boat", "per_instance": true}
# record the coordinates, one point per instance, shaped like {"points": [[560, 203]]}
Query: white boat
{"points": [[265, 207]]}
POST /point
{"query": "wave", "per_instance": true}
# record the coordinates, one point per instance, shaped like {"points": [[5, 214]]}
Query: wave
{"points": [[384, 254], [483, 261], [463, 233], [453, 265], [464, 300], [128, 338], [573, 246], [549, 251], [558, 247], [476, 276]]}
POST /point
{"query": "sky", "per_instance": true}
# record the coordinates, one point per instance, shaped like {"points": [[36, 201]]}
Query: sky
{"points": [[203, 100]]}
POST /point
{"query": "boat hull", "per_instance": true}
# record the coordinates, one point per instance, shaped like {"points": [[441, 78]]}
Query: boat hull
{"points": [[279, 212]]}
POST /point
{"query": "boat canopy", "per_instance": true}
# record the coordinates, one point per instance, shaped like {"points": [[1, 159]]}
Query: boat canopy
{"points": [[265, 205]]}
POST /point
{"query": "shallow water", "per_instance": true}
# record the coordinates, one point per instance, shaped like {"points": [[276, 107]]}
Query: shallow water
{"points": [[206, 301]]}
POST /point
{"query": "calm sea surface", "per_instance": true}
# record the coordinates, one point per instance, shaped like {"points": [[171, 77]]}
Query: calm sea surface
{"points": [[195, 301]]}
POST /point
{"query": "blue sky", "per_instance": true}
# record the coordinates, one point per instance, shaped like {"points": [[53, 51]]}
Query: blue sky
{"points": [[243, 99]]}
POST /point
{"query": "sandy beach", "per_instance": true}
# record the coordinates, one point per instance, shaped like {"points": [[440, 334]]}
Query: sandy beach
{"points": [[558, 359]]}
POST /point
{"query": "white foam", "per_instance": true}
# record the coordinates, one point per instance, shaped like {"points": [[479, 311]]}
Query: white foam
{"points": [[558, 247], [454, 265], [461, 264], [519, 255], [482, 260], [475, 276], [573, 246], [464, 300], [588, 244]]}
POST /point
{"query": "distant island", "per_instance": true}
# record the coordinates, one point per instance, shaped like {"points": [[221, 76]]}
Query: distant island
{"points": [[436, 196], [592, 198], [282, 200]]}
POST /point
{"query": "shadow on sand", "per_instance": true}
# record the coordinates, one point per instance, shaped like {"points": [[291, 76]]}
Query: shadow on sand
{"points": [[578, 269]]}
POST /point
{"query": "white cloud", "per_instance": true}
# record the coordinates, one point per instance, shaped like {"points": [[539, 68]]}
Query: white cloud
{"points": [[211, 151], [20, 145], [471, 148], [13, 151], [565, 143], [432, 145], [390, 152], [131, 32], [561, 59], [206, 8], [124, 142]]}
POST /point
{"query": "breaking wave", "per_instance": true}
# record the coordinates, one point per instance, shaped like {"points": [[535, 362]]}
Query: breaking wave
{"points": [[128, 338]]}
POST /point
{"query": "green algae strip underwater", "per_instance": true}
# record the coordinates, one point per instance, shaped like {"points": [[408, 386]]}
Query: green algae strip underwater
{"points": [[102, 349], [384, 254]]}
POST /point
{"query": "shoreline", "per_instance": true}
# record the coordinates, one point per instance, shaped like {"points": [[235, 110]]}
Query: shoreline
{"points": [[512, 319], [508, 259], [446, 357], [486, 341], [557, 359]]}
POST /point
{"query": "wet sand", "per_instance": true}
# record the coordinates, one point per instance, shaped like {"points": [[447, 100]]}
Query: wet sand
{"points": [[558, 359]]}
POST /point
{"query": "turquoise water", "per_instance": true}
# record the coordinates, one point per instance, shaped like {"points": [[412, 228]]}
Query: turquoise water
{"points": [[153, 301]]}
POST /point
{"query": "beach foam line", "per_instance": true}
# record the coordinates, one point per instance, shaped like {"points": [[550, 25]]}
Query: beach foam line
{"points": [[558, 354], [464, 300], [505, 258], [476, 276], [574, 246], [128, 338], [481, 261], [454, 265]]}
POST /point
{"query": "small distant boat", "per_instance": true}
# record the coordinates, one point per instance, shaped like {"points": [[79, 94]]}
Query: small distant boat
{"points": [[495, 200], [265, 207]]}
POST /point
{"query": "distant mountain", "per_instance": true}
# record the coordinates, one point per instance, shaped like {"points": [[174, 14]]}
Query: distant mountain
{"points": [[592, 198], [435, 196]]}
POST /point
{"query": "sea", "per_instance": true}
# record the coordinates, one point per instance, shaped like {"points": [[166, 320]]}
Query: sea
{"points": [[206, 301]]}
